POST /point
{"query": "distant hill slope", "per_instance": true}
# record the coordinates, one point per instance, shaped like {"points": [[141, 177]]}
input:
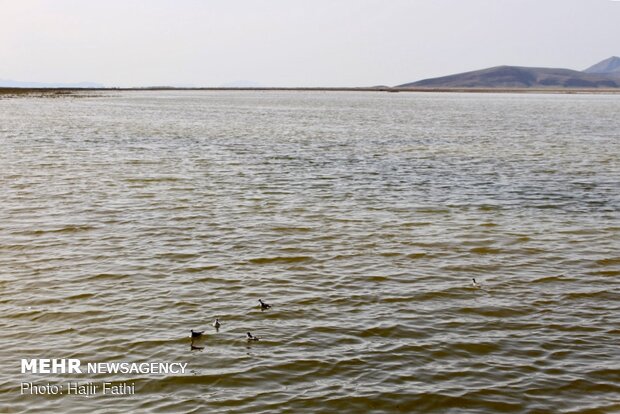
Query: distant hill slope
{"points": [[527, 77], [17, 84], [611, 65]]}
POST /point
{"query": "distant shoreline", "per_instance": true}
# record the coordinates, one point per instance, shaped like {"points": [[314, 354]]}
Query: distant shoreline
{"points": [[57, 92]]}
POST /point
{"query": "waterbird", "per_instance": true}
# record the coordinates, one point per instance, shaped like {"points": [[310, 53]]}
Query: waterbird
{"points": [[252, 337], [475, 284], [196, 334], [217, 324], [263, 305]]}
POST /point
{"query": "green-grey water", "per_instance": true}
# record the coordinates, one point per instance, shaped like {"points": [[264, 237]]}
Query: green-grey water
{"points": [[129, 218]]}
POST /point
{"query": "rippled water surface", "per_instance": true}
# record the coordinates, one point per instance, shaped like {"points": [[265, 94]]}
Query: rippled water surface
{"points": [[129, 218]]}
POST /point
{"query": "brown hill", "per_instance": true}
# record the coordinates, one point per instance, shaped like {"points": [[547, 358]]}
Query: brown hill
{"points": [[521, 77], [610, 65]]}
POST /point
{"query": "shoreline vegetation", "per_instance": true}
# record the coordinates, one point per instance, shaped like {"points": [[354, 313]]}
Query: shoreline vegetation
{"points": [[61, 92]]}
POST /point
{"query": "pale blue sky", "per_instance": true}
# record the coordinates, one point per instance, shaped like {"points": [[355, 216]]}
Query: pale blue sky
{"points": [[295, 42]]}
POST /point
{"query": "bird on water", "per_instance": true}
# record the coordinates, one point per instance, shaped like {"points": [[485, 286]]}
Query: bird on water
{"points": [[252, 337], [263, 305], [475, 284], [196, 334], [217, 324]]}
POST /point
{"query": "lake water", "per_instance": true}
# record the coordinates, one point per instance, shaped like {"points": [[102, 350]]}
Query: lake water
{"points": [[129, 218]]}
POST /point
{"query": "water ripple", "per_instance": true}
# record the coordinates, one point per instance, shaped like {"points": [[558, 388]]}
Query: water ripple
{"points": [[128, 219]]}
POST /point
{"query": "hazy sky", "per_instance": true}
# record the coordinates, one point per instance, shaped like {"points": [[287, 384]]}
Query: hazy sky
{"points": [[295, 42]]}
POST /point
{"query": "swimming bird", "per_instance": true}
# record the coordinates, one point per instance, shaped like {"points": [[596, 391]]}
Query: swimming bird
{"points": [[217, 324], [252, 337], [475, 284], [263, 305], [196, 334]]}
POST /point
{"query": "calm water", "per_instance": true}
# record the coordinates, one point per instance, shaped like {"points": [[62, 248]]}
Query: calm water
{"points": [[127, 219]]}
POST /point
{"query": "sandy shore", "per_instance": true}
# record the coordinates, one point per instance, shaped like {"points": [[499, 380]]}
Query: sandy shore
{"points": [[58, 92], [43, 92]]}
